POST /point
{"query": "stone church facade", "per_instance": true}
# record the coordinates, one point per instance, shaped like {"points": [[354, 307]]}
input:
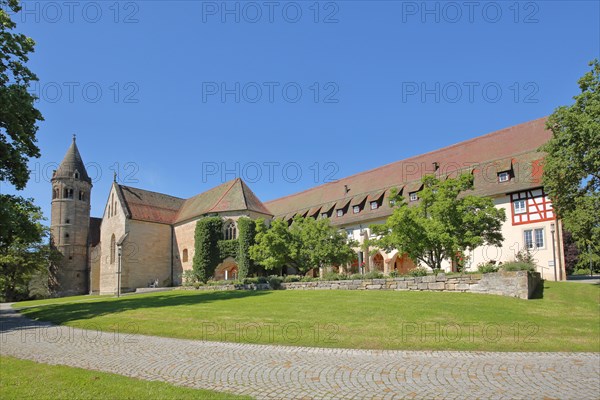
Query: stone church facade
{"points": [[149, 237]]}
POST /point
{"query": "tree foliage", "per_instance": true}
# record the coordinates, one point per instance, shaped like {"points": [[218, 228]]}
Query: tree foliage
{"points": [[306, 244], [247, 233], [444, 223], [23, 252], [206, 249], [18, 116], [572, 165]]}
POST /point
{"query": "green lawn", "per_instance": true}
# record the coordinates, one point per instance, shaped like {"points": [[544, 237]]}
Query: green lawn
{"points": [[22, 379], [567, 318]]}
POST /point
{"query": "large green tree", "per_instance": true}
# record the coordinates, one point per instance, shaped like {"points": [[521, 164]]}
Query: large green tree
{"points": [[23, 252], [18, 115], [206, 250], [572, 166], [306, 244], [444, 223]]}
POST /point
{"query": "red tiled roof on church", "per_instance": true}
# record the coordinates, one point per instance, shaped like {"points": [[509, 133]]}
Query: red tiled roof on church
{"points": [[483, 156], [145, 205], [234, 195]]}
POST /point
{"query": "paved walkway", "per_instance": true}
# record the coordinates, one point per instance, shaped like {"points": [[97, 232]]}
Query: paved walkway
{"points": [[280, 372]]}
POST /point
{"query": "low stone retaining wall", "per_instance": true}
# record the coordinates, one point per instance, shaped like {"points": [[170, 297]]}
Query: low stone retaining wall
{"points": [[520, 284]]}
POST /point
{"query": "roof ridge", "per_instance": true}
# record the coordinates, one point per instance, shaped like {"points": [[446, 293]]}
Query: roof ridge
{"points": [[497, 132], [150, 191], [224, 194]]}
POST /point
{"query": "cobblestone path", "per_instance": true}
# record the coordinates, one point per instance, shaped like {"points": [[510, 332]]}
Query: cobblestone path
{"points": [[280, 372]]}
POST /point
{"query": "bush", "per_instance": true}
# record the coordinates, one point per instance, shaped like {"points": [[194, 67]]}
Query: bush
{"points": [[189, 278], [333, 276], [373, 275], [525, 256], [518, 266], [356, 276], [275, 282], [307, 279], [394, 274], [581, 271], [292, 278], [487, 268], [419, 271]]}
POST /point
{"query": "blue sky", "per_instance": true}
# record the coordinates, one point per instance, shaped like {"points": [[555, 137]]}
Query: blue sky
{"points": [[179, 96]]}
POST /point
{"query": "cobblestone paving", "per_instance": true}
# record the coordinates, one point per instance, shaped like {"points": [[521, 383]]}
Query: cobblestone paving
{"points": [[280, 372]]}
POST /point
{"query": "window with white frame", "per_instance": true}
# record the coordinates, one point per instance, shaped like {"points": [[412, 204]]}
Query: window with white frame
{"points": [[374, 205], [503, 177], [350, 233], [324, 215], [520, 206], [340, 213], [356, 209], [534, 238], [413, 196]]}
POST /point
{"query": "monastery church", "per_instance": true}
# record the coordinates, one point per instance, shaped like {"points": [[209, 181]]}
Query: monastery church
{"points": [[149, 237]]}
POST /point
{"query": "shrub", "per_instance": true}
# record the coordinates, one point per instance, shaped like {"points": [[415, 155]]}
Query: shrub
{"points": [[206, 256], [373, 275], [518, 266], [356, 276], [394, 274], [333, 276], [307, 279], [419, 271], [525, 256], [487, 268], [581, 271], [275, 282], [292, 278], [188, 277]]}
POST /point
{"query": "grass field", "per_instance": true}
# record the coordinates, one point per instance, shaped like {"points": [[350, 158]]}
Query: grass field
{"points": [[567, 318], [22, 379]]}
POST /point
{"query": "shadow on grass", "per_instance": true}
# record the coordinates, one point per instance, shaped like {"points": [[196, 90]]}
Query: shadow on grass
{"points": [[62, 313], [538, 293]]}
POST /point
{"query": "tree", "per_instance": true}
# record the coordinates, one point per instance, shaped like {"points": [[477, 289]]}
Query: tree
{"points": [[572, 166], [23, 252], [306, 244], [443, 224], [206, 250], [18, 116]]}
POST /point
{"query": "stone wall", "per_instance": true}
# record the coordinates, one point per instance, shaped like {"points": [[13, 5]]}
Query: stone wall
{"points": [[520, 284]]}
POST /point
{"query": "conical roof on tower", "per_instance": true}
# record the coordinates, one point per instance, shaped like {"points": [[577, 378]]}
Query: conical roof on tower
{"points": [[71, 164]]}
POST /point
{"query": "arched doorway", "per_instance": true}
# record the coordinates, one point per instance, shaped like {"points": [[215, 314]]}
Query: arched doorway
{"points": [[227, 270], [378, 262], [403, 264]]}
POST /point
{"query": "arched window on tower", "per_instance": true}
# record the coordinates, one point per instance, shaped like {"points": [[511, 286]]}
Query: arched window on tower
{"points": [[113, 248], [81, 195], [184, 256], [55, 193], [230, 231], [76, 174], [68, 193]]}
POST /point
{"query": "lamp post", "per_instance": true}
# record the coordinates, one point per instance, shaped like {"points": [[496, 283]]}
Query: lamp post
{"points": [[119, 271], [552, 230]]}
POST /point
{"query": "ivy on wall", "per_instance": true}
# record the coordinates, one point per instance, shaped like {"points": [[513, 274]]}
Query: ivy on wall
{"points": [[211, 249], [228, 248], [206, 255], [247, 232]]}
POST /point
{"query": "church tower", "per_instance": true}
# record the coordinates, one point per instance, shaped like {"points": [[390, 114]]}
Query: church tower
{"points": [[70, 221]]}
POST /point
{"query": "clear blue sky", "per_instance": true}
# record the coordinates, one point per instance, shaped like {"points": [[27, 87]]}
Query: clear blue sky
{"points": [[161, 65]]}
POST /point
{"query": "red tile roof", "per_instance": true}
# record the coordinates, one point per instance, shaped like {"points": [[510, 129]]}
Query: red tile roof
{"points": [[517, 145]]}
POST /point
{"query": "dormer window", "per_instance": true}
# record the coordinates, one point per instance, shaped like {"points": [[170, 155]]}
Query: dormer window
{"points": [[374, 205], [503, 176], [413, 196], [340, 213], [76, 174], [356, 209], [324, 215]]}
